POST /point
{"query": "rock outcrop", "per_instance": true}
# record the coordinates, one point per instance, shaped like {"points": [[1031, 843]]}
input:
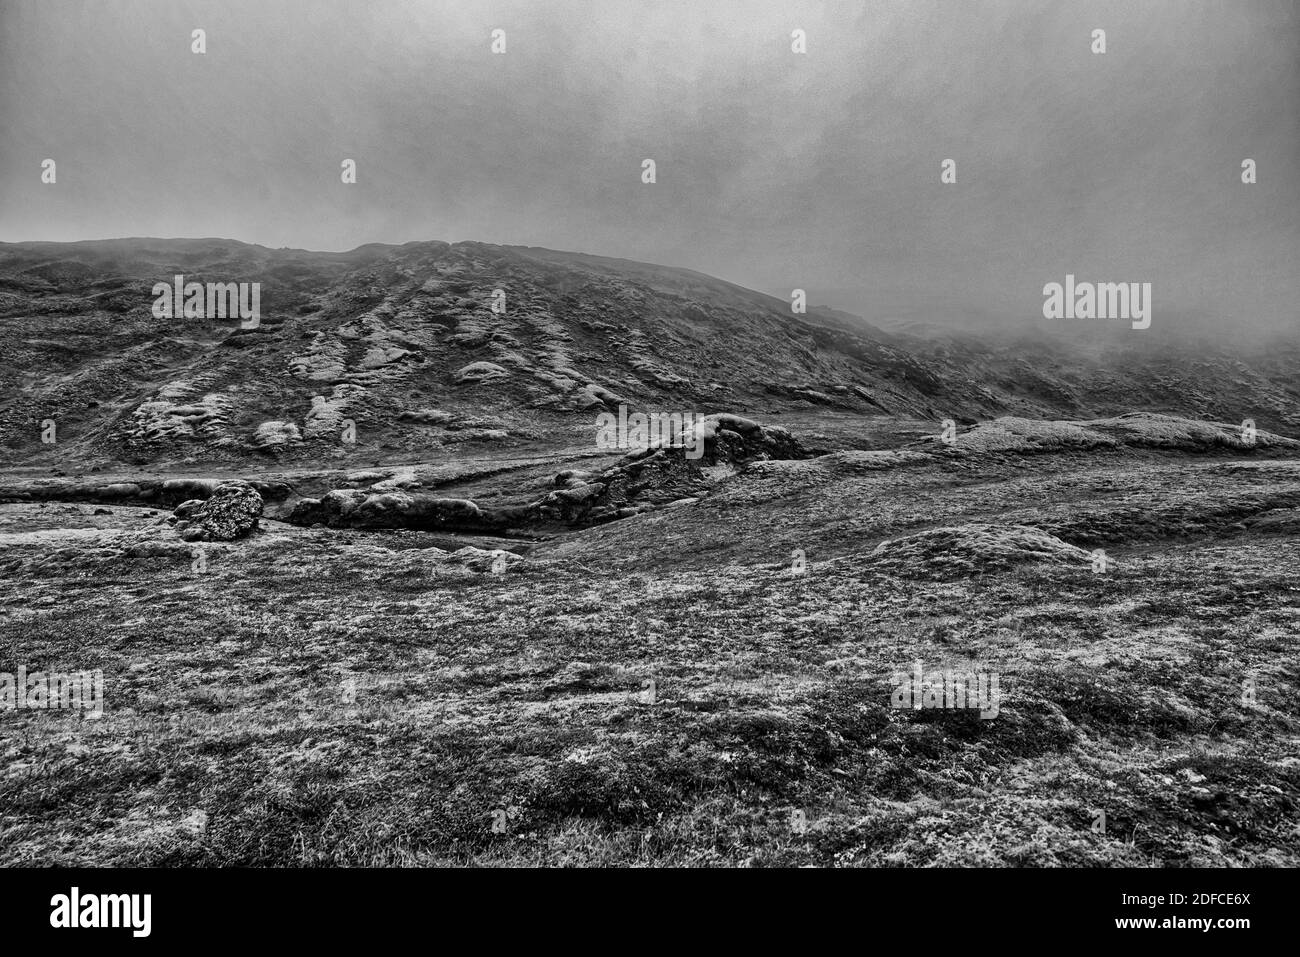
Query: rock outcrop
{"points": [[666, 475], [358, 508], [732, 439], [644, 480]]}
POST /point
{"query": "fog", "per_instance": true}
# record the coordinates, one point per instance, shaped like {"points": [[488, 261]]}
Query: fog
{"points": [[775, 170]]}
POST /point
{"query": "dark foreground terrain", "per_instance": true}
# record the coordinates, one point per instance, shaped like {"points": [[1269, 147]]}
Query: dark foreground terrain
{"points": [[668, 688]]}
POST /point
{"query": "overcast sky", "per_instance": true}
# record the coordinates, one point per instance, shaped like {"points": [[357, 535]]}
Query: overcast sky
{"points": [[775, 170]]}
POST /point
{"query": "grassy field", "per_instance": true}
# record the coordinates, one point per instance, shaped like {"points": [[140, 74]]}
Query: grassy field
{"points": [[671, 689]]}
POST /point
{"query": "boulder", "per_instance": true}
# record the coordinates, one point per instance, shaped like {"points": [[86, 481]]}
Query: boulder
{"points": [[231, 512]]}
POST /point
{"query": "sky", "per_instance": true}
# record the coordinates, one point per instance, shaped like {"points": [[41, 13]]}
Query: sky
{"points": [[775, 170]]}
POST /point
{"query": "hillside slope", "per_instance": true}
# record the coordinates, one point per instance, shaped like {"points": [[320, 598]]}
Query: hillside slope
{"points": [[402, 341]]}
